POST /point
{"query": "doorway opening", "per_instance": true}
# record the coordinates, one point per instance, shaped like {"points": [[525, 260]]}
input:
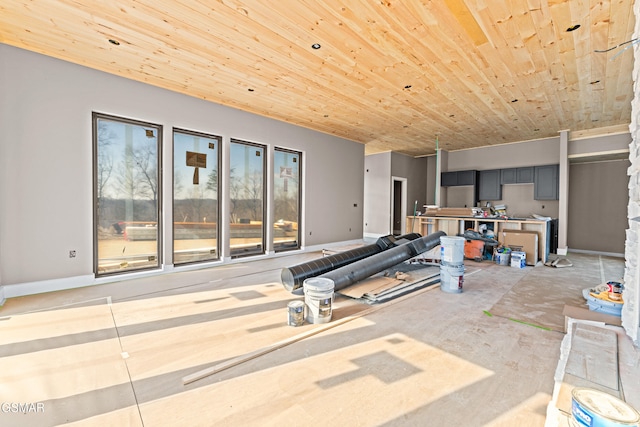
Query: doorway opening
{"points": [[398, 205]]}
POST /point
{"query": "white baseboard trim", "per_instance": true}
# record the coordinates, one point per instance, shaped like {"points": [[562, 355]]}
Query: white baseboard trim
{"points": [[582, 251], [42, 286], [373, 236], [52, 285], [562, 251], [315, 248]]}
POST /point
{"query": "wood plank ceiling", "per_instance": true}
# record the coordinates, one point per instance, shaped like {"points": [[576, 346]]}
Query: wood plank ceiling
{"points": [[394, 75]]}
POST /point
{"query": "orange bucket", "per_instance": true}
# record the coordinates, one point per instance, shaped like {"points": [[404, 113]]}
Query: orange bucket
{"points": [[474, 249]]}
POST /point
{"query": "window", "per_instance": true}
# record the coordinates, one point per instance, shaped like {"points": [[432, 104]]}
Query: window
{"points": [[286, 200], [196, 163], [126, 194], [247, 195]]}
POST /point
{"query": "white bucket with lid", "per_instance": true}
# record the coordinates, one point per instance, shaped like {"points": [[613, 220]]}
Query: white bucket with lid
{"points": [[318, 297], [452, 249]]}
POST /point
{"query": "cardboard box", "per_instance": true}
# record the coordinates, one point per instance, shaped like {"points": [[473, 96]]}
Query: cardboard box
{"points": [[518, 259], [523, 241]]}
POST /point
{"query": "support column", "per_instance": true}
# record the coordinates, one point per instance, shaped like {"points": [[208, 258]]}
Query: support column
{"points": [[563, 193]]}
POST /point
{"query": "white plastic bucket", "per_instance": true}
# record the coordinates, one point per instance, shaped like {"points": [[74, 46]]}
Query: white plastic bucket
{"points": [[318, 297], [452, 249], [451, 277]]}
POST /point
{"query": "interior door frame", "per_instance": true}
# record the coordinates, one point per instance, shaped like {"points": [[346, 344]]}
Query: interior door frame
{"points": [[403, 203]]}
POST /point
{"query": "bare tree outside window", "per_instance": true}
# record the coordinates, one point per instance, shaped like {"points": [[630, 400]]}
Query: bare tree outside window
{"points": [[286, 199], [247, 193], [126, 189], [196, 210]]}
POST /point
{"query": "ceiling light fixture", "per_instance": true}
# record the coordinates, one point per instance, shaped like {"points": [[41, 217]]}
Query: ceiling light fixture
{"points": [[575, 27], [316, 46], [114, 42]]}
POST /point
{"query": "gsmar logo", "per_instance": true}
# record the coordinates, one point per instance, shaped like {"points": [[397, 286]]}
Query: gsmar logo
{"points": [[22, 408]]}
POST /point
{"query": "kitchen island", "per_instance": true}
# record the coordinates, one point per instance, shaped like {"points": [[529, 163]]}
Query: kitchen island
{"points": [[453, 226]]}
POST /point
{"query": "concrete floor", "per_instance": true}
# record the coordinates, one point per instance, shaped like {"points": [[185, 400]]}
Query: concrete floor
{"points": [[117, 354]]}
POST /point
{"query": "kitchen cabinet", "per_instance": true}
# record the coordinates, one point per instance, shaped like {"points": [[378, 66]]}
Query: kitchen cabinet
{"points": [[524, 175], [467, 177], [517, 175], [545, 182], [449, 179], [489, 183], [456, 178]]}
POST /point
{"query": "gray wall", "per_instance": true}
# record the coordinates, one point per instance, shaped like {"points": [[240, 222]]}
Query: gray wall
{"points": [[46, 161], [377, 194], [530, 153], [598, 196]]}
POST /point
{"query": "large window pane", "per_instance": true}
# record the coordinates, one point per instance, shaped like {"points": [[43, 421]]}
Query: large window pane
{"points": [[246, 190], [126, 186], [286, 200], [195, 197]]}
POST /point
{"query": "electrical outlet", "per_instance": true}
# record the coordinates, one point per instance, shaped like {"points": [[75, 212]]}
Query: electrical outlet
{"points": [[72, 254]]}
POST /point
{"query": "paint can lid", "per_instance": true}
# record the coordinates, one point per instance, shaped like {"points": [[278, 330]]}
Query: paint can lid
{"points": [[605, 405], [296, 304]]}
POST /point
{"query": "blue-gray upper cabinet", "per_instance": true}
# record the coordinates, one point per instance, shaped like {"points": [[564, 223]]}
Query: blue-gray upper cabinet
{"points": [[508, 176], [517, 175], [449, 179], [545, 182], [524, 175], [452, 179], [489, 184]]}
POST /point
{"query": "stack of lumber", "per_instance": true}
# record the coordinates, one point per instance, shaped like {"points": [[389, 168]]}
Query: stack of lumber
{"points": [[454, 212], [381, 288]]}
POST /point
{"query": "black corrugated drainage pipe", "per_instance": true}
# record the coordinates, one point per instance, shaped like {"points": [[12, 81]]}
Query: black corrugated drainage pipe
{"points": [[354, 272], [293, 277]]}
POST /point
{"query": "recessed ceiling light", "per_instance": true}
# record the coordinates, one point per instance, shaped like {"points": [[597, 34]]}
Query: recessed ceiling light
{"points": [[114, 42], [575, 27], [316, 46]]}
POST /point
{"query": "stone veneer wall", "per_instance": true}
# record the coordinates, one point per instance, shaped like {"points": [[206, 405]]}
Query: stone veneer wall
{"points": [[631, 308]]}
